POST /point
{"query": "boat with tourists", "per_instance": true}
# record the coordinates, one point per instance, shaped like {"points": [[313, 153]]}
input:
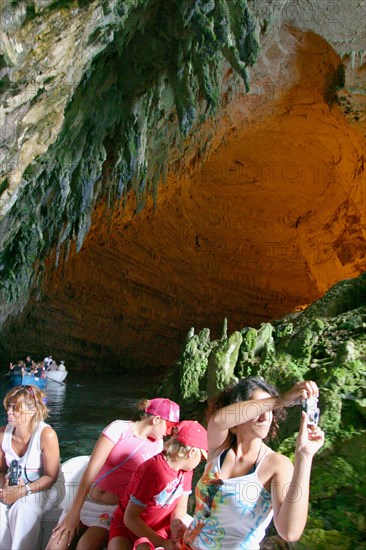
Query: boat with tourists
{"points": [[27, 379], [56, 375], [38, 375]]}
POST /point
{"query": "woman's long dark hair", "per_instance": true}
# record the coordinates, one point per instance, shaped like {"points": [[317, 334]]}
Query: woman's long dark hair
{"points": [[243, 391]]}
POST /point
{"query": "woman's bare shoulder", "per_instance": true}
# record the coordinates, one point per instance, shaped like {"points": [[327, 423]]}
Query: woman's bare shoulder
{"points": [[275, 461], [280, 457], [278, 463], [48, 433]]}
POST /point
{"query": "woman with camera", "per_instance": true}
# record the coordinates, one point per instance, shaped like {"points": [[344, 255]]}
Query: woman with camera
{"points": [[29, 466], [245, 483]]}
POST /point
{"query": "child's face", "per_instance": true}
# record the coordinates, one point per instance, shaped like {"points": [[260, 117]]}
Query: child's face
{"points": [[194, 458]]}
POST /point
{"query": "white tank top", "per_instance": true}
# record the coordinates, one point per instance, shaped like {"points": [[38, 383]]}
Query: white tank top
{"points": [[32, 461], [230, 514]]}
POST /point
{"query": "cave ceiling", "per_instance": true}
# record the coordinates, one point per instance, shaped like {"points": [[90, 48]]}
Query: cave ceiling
{"points": [[147, 187]]}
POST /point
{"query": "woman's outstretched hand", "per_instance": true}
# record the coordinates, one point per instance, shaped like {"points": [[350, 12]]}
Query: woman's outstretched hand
{"points": [[310, 438], [300, 391]]}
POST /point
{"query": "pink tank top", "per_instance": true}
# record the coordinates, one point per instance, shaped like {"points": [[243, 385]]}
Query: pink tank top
{"points": [[120, 432]]}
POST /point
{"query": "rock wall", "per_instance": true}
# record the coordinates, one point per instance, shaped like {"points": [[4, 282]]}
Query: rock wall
{"points": [[260, 205], [90, 112]]}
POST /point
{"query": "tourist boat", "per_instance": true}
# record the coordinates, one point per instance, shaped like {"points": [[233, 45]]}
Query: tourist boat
{"points": [[27, 380], [56, 375]]}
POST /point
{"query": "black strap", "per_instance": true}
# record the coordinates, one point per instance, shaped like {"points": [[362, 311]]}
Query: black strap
{"points": [[222, 456]]}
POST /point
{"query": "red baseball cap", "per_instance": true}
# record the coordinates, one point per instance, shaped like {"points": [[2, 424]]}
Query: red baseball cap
{"points": [[192, 434], [169, 410]]}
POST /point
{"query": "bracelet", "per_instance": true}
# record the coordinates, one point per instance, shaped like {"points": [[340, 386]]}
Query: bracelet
{"points": [[28, 489]]}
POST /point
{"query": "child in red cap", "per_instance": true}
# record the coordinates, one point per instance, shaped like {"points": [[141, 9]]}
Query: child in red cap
{"points": [[151, 512]]}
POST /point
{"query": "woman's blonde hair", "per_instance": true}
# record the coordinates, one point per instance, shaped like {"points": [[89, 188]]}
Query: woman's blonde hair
{"points": [[32, 397]]}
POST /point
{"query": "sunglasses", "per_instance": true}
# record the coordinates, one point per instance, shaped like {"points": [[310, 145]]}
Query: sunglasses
{"points": [[17, 406]]}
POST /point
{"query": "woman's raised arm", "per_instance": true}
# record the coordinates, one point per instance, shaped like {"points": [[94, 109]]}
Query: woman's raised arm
{"points": [[290, 485], [244, 411]]}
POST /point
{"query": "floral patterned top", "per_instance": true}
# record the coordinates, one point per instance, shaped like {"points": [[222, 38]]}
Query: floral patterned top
{"points": [[230, 514]]}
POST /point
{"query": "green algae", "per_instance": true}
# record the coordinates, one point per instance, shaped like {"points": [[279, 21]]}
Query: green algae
{"points": [[325, 343], [221, 363], [193, 365], [158, 77]]}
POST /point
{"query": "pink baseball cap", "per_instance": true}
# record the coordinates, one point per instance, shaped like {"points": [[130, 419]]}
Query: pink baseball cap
{"points": [[192, 434], [169, 410]]}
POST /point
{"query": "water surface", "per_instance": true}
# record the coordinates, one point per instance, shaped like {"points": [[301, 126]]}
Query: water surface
{"points": [[86, 403]]}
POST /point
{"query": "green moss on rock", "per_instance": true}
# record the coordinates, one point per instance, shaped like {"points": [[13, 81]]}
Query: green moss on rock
{"points": [[222, 362], [321, 539], [134, 106], [326, 343], [193, 365]]}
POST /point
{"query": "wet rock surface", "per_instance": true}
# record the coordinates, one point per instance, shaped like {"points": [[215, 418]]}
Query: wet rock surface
{"points": [[143, 187]]}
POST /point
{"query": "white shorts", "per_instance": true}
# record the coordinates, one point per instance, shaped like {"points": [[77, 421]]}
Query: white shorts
{"points": [[95, 514]]}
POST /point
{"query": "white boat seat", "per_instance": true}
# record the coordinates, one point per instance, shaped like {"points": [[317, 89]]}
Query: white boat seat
{"points": [[71, 473]]}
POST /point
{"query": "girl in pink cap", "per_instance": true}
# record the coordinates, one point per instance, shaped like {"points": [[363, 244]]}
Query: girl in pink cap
{"points": [[120, 449]]}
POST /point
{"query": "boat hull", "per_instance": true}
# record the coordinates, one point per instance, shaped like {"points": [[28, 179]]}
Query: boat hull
{"points": [[27, 380], [56, 375]]}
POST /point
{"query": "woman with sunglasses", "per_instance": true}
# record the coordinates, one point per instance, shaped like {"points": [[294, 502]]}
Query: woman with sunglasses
{"points": [[120, 449], [29, 467]]}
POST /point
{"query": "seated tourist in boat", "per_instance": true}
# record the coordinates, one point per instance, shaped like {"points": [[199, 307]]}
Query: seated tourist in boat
{"points": [[19, 368], [151, 512], [47, 361], [39, 370], [16, 369], [33, 368], [29, 466], [61, 366], [122, 446], [52, 366], [245, 483]]}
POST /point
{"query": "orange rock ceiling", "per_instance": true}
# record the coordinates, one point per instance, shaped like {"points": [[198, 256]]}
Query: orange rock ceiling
{"points": [[266, 220]]}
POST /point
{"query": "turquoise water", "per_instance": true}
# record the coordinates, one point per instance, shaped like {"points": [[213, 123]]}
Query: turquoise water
{"points": [[86, 403]]}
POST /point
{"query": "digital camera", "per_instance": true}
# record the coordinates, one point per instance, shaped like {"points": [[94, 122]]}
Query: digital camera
{"points": [[310, 406], [15, 472]]}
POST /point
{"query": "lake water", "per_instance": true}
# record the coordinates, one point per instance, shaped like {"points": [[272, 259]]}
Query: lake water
{"points": [[86, 403]]}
